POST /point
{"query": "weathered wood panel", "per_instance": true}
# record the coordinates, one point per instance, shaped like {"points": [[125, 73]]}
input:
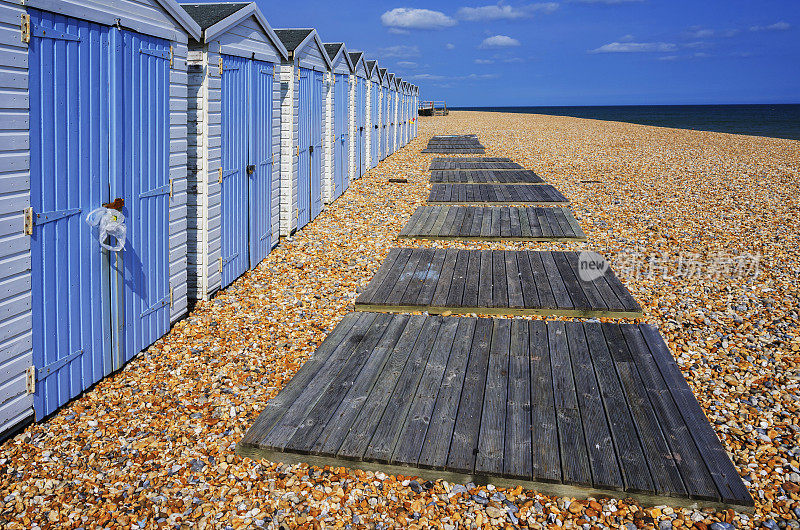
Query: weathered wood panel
{"points": [[477, 194], [541, 404]]}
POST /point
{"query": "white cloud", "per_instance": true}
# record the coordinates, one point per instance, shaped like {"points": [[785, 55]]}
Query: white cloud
{"points": [[450, 46], [400, 50], [438, 77], [635, 47], [410, 18], [778, 26], [499, 41], [514, 60], [407, 64], [398, 31], [626, 38], [699, 32], [501, 11], [484, 61]]}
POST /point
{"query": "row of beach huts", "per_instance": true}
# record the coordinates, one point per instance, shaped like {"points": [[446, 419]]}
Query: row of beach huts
{"points": [[211, 132]]}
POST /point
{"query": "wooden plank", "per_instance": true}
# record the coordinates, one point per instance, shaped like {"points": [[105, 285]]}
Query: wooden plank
{"points": [[635, 471], [394, 292], [545, 459], [515, 297], [546, 274], [360, 432], [600, 448], [308, 372], [500, 279], [484, 281], [409, 444], [471, 286], [456, 293], [530, 295], [439, 298], [517, 458], [492, 434], [467, 426], [390, 426], [572, 443], [436, 446], [696, 477], [665, 474], [728, 482]]}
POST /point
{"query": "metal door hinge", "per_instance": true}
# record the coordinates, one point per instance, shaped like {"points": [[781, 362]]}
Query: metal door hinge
{"points": [[298, 151], [25, 27], [171, 56], [219, 178], [170, 189], [171, 299], [30, 379], [220, 66], [28, 225], [220, 264]]}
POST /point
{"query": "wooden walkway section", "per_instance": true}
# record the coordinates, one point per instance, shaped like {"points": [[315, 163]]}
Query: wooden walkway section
{"points": [[566, 408], [493, 223], [493, 282], [454, 144], [488, 194], [468, 163], [486, 176]]}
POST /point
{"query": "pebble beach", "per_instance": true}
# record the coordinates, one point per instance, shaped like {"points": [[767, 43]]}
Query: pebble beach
{"points": [[700, 226]]}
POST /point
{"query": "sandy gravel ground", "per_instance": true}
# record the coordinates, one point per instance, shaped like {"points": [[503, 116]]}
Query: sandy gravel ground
{"points": [[702, 227]]}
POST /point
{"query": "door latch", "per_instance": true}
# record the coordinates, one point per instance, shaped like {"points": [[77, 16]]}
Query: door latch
{"points": [[251, 169], [310, 149]]}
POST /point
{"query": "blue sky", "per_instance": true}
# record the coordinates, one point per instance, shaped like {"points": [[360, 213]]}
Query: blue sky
{"points": [[571, 52]]}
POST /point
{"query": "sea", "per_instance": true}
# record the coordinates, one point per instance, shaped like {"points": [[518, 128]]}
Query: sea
{"points": [[777, 121]]}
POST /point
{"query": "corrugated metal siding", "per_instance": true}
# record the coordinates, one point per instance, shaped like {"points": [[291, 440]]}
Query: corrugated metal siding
{"points": [[341, 142], [384, 121], [15, 262], [374, 130], [260, 156], [304, 138], [317, 131]]}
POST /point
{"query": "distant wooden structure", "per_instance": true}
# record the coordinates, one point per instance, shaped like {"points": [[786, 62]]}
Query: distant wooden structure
{"points": [[433, 108]]}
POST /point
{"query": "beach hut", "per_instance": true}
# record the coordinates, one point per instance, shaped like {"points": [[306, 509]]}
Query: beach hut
{"points": [[358, 109], [234, 144], [373, 113], [337, 164], [384, 131], [76, 134], [303, 119]]}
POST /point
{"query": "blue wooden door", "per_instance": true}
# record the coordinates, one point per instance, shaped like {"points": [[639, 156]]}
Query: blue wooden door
{"points": [[260, 160], [305, 101], [99, 130], [392, 118], [340, 139], [235, 186], [318, 100], [374, 129], [143, 145], [69, 165], [384, 121]]}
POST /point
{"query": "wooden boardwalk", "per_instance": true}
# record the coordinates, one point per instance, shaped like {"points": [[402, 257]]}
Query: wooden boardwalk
{"points": [[467, 163], [493, 282], [454, 144], [487, 194], [486, 176], [493, 223], [565, 408]]}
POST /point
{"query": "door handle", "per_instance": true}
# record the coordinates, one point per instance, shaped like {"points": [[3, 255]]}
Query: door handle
{"points": [[251, 169], [310, 149]]}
